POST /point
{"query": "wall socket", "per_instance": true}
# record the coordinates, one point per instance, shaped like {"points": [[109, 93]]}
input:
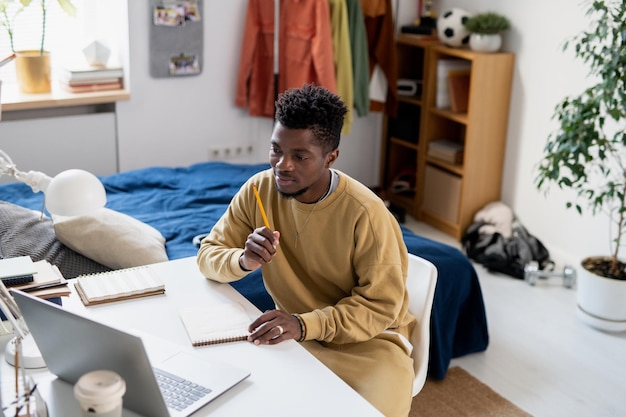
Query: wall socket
{"points": [[221, 153]]}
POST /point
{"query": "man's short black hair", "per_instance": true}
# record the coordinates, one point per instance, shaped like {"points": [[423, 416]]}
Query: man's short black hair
{"points": [[316, 108]]}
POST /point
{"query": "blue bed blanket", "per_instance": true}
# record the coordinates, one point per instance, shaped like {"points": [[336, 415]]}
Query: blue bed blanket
{"points": [[184, 202]]}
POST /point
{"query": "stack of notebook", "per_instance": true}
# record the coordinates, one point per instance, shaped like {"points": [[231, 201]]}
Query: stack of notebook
{"points": [[86, 79], [38, 278], [16, 271]]}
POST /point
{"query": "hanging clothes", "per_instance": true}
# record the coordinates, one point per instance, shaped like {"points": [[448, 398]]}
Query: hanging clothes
{"points": [[305, 52], [343, 57], [382, 49], [360, 57]]}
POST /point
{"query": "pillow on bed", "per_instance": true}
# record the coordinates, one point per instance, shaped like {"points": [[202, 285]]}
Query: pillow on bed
{"points": [[24, 233], [112, 238]]}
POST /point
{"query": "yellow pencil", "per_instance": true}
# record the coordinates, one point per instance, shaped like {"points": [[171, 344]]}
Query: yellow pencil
{"points": [[258, 198]]}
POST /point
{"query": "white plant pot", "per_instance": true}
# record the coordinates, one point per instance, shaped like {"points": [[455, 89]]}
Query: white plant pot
{"points": [[601, 301], [485, 42]]}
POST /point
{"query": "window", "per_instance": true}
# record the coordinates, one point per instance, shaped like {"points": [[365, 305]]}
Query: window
{"points": [[66, 36]]}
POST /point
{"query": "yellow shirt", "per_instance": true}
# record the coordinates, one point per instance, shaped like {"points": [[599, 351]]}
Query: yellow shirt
{"points": [[341, 263]]}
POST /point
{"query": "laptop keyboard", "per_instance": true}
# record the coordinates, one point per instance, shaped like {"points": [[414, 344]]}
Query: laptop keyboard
{"points": [[179, 393]]}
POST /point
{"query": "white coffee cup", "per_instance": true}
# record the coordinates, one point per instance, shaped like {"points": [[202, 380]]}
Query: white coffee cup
{"points": [[100, 393]]}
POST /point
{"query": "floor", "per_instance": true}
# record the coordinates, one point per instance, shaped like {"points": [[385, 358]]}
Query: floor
{"points": [[541, 356]]}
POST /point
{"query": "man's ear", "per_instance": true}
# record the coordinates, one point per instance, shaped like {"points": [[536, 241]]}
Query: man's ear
{"points": [[332, 157]]}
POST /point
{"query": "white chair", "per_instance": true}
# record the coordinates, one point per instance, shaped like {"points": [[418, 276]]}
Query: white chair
{"points": [[421, 281]]}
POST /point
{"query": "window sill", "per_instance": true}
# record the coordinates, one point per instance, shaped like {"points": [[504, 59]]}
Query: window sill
{"points": [[12, 99]]}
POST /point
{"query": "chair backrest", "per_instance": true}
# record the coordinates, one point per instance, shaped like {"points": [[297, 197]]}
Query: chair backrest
{"points": [[421, 281]]}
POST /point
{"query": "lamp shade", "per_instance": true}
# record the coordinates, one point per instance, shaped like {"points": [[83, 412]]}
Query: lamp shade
{"points": [[74, 192]]}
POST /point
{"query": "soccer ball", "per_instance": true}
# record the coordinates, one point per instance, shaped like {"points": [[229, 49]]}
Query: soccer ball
{"points": [[450, 27]]}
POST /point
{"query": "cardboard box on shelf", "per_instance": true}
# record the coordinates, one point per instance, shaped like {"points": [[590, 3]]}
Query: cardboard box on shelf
{"points": [[442, 193], [447, 150]]}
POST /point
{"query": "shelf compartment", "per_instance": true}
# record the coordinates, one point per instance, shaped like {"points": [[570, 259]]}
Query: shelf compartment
{"points": [[410, 62], [441, 127], [406, 126], [401, 165], [399, 159], [442, 193]]}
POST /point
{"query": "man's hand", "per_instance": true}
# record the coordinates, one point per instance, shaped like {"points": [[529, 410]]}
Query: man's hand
{"points": [[260, 248], [273, 327]]}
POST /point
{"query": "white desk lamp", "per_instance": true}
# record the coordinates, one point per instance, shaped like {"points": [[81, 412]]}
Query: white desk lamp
{"points": [[70, 193], [29, 355]]}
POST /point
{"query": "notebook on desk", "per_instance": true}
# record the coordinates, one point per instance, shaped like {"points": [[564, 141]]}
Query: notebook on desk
{"points": [[73, 345]]}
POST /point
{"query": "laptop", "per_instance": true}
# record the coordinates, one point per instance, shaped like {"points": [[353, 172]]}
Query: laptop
{"points": [[72, 345]]}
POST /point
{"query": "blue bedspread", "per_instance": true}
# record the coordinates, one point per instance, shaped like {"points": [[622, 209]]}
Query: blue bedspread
{"points": [[184, 202]]}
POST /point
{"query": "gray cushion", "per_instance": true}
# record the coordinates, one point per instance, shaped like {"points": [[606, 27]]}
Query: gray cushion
{"points": [[23, 233]]}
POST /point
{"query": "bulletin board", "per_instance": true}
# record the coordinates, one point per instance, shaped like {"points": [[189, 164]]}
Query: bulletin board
{"points": [[176, 38]]}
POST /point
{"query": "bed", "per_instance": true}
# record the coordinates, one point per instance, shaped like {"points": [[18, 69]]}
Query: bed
{"points": [[182, 203]]}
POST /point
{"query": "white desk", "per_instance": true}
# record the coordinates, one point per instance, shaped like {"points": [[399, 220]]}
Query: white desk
{"points": [[285, 381]]}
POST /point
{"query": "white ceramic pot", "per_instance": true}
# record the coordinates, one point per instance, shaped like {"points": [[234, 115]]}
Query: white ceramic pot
{"points": [[485, 42], [601, 301]]}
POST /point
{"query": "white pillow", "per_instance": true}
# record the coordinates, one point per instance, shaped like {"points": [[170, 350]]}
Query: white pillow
{"points": [[111, 238]]}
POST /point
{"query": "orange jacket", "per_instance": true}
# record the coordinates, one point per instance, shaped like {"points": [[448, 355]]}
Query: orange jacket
{"points": [[305, 52]]}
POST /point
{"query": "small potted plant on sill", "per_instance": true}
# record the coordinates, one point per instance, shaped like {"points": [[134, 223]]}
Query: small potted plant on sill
{"points": [[586, 155], [485, 31], [32, 66]]}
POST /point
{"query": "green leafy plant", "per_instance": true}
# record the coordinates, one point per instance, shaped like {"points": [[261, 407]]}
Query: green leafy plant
{"points": [[487, 23], [586, 153], [10, 9]]}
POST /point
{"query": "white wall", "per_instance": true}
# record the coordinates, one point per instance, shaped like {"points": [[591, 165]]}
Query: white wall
{"points": [[544, 75], [176, 121]]}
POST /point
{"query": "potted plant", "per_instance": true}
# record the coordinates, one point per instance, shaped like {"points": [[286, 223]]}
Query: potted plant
{"points": [[32, 66], [485, 31], [586, 153]]}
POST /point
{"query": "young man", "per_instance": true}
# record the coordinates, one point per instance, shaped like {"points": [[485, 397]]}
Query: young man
{"points": [[332, 256]]}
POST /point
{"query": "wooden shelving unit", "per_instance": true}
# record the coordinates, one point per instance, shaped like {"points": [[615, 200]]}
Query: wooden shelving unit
{"points": [[444, 194]]}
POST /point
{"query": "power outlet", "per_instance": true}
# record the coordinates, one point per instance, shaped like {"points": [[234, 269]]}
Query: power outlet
{"points": [[221, 153]]}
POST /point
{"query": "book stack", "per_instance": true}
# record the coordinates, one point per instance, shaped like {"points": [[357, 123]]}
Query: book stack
{"points": [[447, 150], [89, 78], [15, 271], [40, 278]]}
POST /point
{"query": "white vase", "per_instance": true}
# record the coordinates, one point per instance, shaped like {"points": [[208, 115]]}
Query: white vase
{"points": [[485, 42], [601, 301]]}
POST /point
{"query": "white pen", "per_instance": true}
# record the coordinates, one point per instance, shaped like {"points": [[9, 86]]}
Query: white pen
{"points": [[7, 60]]}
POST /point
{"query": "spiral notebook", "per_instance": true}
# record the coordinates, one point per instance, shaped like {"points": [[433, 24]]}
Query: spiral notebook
{"points": [[121, 284], [215, 323]]}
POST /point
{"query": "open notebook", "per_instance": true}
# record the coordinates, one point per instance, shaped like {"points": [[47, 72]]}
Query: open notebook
{"points": [[215, 323]]}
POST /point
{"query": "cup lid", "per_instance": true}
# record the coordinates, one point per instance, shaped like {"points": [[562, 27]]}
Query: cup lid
{"points": [[100, 384]]}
